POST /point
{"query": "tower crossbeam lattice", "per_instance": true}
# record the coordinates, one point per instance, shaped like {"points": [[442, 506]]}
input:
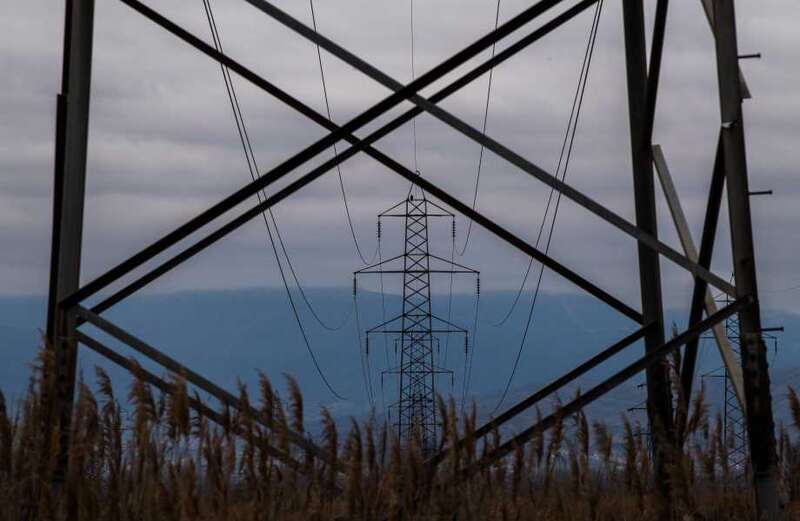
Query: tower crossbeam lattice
{"points": [[418, 329]]}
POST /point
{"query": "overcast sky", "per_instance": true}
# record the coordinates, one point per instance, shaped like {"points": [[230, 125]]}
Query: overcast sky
{"points": [[163, 144]]}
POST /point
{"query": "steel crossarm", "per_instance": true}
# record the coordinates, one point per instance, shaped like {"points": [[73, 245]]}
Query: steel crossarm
{"points": [[456, 327], [366, 269], [459, 268], [417, 319]]}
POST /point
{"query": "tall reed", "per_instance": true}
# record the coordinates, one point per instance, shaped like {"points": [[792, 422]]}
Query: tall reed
{"points": [[157, 458]]}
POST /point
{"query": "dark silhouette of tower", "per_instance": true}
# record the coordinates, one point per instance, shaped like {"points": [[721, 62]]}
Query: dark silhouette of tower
{"points": [[734, 420], [416, 330]]}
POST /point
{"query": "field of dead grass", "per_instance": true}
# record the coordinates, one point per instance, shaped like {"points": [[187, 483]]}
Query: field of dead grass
{"points": [[156, 458]]}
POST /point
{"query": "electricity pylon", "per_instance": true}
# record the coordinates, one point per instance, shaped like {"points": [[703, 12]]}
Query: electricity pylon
{"points": [[417, 331], [734, 419]]}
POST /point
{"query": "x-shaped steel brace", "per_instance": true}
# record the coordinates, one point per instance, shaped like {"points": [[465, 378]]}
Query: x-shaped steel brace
{"points": [[337, 132]]}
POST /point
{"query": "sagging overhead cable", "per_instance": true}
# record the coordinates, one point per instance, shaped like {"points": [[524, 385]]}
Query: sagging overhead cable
{"points": [[568, 132], [252, 166], [413, 77], [483, 130], [335, 150], [577, 104], [363, 358]]}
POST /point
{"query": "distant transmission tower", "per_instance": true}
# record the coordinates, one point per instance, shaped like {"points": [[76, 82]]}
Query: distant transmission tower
{"points": [[416, 330], [734, 424], [733, 419]]}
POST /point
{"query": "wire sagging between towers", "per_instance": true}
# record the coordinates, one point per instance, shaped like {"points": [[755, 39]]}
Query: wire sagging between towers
{"points": [[483, 130], [564, 157], [336, 151], [252, 167]]}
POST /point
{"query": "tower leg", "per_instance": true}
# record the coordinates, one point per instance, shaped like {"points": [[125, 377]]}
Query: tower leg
{"points": [[68, 202], [760, 424], [417, 404], [659, 395]]}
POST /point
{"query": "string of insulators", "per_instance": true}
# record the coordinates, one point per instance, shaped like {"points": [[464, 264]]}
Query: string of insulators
{"points": [[354, 285], [379, 229], [366, 344], [454, 228], [478, 285], [466, 343]]}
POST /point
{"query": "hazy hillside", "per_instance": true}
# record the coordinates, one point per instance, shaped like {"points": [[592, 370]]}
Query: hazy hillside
{"points": [[227, 335]]}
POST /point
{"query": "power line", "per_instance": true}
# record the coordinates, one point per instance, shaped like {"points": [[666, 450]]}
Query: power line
{"points": [[564, 142], [470, 355], [365, 367], [525, 277], [413, 77], [485, 119], [387, 366], [314, 313], [582, 81], [335, 151], [450, 291], [781, 290], [252, 166], [300, 323], [366, 372]]}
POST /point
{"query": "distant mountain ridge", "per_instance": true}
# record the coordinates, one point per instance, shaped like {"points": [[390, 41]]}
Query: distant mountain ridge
{"points": [[230, 335]]}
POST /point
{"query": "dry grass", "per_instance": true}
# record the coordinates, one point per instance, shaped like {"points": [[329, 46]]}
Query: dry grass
{"points": [[158, 460]]}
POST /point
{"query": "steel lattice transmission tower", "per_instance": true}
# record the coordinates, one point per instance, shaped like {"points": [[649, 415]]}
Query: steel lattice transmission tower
{"points": [[734, 418], [734, 426], [416, 330]]}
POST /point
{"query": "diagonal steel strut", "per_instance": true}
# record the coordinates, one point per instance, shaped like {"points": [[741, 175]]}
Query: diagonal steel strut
{"points": [[337, 132], [134, 368], [611, 383], [547, 390], [299, 183], [200, 381], [296, 160], [701, 297], [493, 145]]}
